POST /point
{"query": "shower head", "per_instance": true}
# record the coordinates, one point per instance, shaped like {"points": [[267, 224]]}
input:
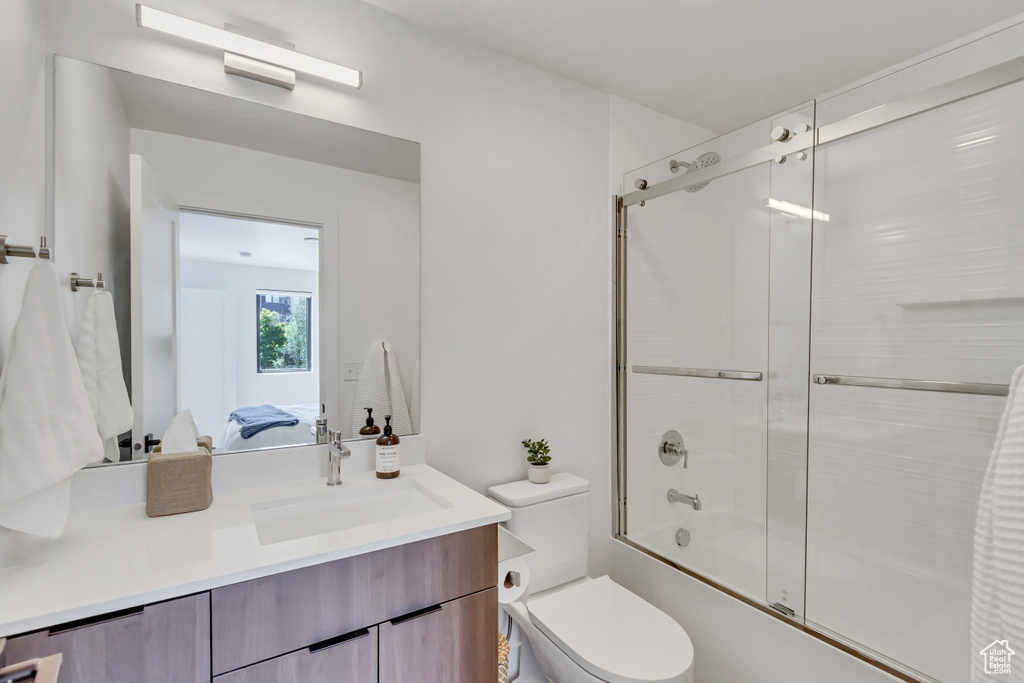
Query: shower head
{"points": [[703, 161]]}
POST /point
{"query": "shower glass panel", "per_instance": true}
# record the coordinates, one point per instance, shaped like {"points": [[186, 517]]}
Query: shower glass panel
{"points": [[919, 275], [830, 328], [697, 362]]}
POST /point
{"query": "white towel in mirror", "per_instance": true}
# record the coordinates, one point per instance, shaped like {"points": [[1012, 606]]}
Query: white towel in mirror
{"points": [[47, 427], [99, 358], [380, 388]]}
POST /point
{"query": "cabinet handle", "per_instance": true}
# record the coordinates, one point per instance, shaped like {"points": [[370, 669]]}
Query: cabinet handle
{"points": [[99, 619], [338, 640], [415, 615]]}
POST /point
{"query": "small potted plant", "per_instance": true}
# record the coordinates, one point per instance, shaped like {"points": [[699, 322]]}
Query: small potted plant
{"points": [[539, 470]]}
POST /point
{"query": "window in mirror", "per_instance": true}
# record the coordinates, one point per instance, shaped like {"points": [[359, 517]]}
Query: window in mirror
{"points": [[282, 331]]}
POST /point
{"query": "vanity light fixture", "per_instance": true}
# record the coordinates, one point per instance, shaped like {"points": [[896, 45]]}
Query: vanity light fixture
{"points": [[797, 210], [238, 45]]}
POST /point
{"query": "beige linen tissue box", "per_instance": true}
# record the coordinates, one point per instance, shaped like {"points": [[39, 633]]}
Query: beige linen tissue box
{"points": [[178, 482]]}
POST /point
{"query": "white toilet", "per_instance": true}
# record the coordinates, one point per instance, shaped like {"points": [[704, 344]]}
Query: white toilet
{"points": [[581, 629]]}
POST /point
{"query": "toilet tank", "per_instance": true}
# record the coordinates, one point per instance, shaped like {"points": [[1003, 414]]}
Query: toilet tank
{"points": [[554, 519]]}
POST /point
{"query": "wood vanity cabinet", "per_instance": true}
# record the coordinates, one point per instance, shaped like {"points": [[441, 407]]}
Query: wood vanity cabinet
{"points": [[168, 642], [431, 605]]}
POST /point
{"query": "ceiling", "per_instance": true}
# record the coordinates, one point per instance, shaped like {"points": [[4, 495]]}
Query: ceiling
{"points": [[223, 239], [719, 64]]}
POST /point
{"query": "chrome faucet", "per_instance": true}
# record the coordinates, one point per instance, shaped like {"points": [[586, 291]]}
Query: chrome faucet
{"points": [[676, 497], [321, 431], [336, 450]]}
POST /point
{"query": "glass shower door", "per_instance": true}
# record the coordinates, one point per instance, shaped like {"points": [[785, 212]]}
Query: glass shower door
{"points": [[696, 368], [918, 275]]}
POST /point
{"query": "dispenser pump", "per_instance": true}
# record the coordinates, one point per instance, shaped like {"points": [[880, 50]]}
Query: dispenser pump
{"points": [[370, 429], [387, 452]]}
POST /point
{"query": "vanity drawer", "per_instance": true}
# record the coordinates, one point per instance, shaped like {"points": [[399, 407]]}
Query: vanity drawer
{"points": [[456, 642], [353, 660], [270, 616], [167, 642]]}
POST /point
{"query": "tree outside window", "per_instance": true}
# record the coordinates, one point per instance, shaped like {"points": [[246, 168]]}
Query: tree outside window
{"points": [[283, 340]]}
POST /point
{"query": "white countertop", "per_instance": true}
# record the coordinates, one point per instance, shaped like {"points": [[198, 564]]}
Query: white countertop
{"points": [[113, 558]]}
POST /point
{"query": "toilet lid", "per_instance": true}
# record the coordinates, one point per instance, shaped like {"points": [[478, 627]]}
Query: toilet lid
{"points": [[614, 634]]}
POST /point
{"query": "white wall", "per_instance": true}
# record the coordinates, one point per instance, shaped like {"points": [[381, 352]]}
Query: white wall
{"points": [[23, 149]]}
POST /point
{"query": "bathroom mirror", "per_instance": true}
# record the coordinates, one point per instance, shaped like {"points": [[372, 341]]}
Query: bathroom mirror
{"points": [[256, 257]]}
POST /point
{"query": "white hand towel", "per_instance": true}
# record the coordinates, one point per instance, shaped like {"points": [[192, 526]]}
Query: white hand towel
{"points": [[47, 427], [997, 605], [99, 357], [380, 388]]}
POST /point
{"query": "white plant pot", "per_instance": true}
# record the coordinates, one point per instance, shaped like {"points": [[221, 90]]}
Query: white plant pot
{"points": [[540, 474]]}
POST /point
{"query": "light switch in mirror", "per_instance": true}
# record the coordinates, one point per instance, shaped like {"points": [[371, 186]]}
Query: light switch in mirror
{"points": [[242, 245]]}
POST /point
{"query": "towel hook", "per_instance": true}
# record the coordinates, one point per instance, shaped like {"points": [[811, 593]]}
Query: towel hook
{"points": [[7, 249], [77, 282], [44, 251]]}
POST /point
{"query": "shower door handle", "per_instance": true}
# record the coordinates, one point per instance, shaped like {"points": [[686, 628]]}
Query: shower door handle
{"points": [[698, 372], [975, 388]]}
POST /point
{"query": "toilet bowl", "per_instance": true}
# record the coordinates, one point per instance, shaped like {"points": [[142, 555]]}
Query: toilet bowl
{"points": [[583, 629]]}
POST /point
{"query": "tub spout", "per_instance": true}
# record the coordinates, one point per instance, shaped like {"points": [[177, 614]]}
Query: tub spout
{"points": [[676, 497]]}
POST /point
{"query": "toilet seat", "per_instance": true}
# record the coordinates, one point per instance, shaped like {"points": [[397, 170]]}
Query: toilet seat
{"points": [[614, 634]]}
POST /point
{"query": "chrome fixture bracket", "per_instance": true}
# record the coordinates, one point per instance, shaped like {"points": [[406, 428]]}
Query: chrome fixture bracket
{"points": [[8, 250], [77, 282], [254, 69]]}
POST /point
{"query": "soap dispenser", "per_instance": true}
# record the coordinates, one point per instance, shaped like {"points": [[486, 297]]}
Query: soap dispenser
{"points": [[387, 452], [370, 430]]}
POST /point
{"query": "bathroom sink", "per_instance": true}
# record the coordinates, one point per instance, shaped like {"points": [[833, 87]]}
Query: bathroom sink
{"points": [[343, 508]]}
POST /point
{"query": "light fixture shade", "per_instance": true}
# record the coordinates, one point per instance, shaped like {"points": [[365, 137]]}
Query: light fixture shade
{"points": [[171, 24]]}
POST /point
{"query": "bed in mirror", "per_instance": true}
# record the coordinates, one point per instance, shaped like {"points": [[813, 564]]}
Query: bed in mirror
{"points": [[243, 247]]}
